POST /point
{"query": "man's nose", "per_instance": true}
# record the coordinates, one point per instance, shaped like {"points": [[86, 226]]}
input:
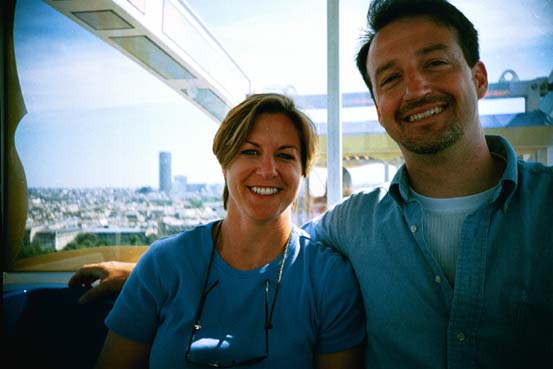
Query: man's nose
{"points": [[416, 85]]}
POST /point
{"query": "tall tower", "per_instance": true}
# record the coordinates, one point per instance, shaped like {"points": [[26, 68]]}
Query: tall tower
{"points": [[165, 171]]}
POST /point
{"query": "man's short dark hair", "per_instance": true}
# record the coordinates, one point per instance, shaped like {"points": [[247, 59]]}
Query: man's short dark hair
{"points": [[384, 12]]}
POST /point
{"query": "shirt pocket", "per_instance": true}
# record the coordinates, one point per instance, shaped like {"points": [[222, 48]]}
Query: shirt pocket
{"points": [[531, 317]]}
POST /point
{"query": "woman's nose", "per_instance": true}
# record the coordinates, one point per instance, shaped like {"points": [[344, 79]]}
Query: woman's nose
{"points": [[267, 167]]}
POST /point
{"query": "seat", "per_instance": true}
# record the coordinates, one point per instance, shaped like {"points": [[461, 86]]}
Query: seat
{"points": [[48, 328]]}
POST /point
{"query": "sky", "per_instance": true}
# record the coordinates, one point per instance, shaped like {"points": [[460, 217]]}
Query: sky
{"points": [[97, 119]]}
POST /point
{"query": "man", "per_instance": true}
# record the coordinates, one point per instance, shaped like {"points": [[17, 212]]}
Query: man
{"points": [[455, 258]]}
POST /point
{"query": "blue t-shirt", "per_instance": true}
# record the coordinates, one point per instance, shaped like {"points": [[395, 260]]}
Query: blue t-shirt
{"points": [[500, 313], [318, 309]]}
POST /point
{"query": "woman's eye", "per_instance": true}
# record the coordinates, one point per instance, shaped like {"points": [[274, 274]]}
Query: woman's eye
{"points": [[249, 152], [287, 156]]}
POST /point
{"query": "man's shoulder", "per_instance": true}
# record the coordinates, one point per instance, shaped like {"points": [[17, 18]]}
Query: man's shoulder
{"points": [[534, 183], [535, 176], [368, 198], [316, 252], [351, 210], [535, 168]]}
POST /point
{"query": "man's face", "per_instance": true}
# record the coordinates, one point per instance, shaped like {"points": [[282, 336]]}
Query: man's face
{"points": [[425, 94]]}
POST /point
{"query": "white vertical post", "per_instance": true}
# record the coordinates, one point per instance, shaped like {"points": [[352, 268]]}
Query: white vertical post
{"points": [[334, 104]]}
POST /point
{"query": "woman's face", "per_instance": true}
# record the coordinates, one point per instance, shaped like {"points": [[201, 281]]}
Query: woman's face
{"points": [[264, 177]]}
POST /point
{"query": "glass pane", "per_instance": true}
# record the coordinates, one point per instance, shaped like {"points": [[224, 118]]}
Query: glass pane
{"points": [[92, 143]]}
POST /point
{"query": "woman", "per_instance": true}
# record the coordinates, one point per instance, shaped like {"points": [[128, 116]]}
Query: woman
{"points": [[251, 289]]}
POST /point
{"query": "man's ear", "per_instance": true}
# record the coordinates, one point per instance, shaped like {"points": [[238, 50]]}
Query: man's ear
{"points": [[480, 78], [377, 112]]}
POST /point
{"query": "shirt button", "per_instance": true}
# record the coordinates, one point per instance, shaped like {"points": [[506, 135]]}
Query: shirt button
{"points": [[460, 336], [438, 279], [414, 228]]}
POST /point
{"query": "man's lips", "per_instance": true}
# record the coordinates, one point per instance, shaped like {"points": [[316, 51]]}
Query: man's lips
{"points": [[426, 107], [425, 114]]}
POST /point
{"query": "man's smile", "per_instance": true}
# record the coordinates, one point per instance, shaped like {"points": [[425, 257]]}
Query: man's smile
{"points": [[425, 114]]}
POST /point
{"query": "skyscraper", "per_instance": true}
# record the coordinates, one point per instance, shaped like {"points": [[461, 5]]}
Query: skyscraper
{"points": [[165, 172]]}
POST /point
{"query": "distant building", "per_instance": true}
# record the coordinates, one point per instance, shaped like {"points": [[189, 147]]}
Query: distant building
{"points": [[118, 235], [165, 176], [198, 188], [30, 232], [181, 185], [54, 239]]}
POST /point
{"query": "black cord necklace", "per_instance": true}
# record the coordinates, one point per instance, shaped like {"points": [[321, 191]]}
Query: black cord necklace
{"points": [[268, 315], [196, 326]]}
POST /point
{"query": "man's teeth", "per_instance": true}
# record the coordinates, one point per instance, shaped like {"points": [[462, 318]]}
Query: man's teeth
{"points": [[425, 114], [264, 191]]}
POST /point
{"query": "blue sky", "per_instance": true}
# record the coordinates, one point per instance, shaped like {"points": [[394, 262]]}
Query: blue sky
{"points": [[95, 118]]}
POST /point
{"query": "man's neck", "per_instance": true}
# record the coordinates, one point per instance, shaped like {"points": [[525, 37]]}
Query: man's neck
{"points": [[461, 170]]}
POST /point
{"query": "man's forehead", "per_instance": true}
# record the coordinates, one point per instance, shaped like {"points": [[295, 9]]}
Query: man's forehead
{"points": [[421, 33]]}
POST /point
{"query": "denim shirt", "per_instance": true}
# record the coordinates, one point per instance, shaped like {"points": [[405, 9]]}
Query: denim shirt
{"points": [[500, 313]]}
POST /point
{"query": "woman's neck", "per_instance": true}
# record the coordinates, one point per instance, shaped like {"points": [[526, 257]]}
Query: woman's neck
{"points": [[246, 245]]}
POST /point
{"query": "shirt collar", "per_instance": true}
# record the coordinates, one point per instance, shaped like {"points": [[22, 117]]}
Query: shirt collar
{"points": [[399, 187], [499, 146]]}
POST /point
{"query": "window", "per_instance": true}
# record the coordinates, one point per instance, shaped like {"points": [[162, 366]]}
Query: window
{"points": [[116, 142]]}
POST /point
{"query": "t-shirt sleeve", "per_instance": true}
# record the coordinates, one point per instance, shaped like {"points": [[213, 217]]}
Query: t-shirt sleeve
{"points": [[341, 309], [136, 309]]}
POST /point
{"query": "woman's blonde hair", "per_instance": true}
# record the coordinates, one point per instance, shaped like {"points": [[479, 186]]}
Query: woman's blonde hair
{"points": [[241, 119]]}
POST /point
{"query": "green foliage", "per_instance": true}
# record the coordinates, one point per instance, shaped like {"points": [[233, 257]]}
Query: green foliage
{"points": [[73, 246], [135, 240], [32, 250], [152, 238], [84, 240], [196, 203], [87, 239]]}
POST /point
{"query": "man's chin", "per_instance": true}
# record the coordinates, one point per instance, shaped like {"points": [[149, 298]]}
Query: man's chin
{"points": [[431, 148]]}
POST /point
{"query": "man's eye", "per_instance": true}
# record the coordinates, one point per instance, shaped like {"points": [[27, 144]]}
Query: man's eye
{"points": [[437, 62], [388, 79]]}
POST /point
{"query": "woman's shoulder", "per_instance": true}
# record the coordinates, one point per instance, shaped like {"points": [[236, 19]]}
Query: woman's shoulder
{"points": [[182, 241]]}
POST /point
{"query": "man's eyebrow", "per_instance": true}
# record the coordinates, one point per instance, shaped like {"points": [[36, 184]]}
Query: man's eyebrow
{"points": [[383, 68], [431, 48]]}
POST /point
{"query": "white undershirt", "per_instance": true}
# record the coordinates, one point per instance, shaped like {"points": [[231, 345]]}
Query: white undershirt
{"points": [[442, 222]]}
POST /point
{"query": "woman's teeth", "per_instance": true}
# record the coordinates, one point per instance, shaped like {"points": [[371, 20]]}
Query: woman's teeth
{"points": [[264, 191]]}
